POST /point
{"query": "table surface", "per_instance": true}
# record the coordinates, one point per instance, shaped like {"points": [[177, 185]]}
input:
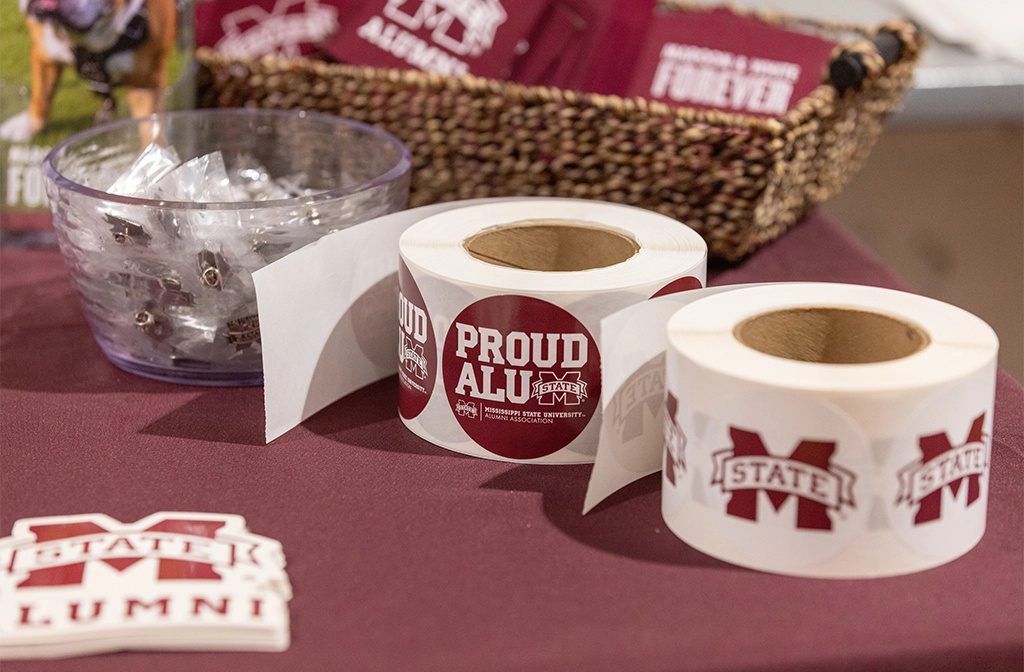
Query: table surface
{"points": [[405, 556]]}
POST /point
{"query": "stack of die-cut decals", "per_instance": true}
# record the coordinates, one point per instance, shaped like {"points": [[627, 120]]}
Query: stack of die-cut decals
{"points": [[74, 585]]}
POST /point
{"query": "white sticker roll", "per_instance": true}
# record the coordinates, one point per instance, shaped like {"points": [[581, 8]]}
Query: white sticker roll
{"points": [[828, 430], [500, 311]]}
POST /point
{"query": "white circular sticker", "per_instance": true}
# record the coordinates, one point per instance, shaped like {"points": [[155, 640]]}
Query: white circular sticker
{"points": [[787, 478], [937, 474]]}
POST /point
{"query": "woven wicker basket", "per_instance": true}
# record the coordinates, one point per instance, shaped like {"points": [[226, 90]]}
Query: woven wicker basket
{"points": [[740, 181]]}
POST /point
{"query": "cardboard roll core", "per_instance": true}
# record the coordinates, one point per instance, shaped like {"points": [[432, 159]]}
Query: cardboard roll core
{"points": [[831, 335], [551, 245]]}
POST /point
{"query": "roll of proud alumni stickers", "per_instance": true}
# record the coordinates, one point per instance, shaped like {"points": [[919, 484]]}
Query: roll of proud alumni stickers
{"points": [[499, 303], [499, 319], [815, 429]]}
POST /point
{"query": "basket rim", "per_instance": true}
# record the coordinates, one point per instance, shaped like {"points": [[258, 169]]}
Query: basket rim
{"points": [[823, 96]]}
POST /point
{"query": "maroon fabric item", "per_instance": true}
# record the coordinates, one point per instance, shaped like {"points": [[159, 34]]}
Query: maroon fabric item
{"points": [[482, 39], [933, 446], [610, 69], [717, 59], [405, 556], [289, 27], [563, 43]]}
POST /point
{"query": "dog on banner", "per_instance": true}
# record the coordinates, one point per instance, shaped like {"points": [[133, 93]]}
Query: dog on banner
{"points": [[110, 42]]}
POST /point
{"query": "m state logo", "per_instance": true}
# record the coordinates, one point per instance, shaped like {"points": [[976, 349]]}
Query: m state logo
{"points": [[943, 465], [252, 31], [466, 409], [807, 474], [937, 471], [675, 441], [464, 27], [93, 572], [532, 368], [454, 30], [417, 350], [60, 552], [551, 389]]}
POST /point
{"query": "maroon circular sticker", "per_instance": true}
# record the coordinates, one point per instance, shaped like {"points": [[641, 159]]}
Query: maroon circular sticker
{"points": [[678, 285], [523, 376], [417, 353]]}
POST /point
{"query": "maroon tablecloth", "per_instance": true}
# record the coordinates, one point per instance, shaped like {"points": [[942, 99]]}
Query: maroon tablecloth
{"points": [[404, 556]]}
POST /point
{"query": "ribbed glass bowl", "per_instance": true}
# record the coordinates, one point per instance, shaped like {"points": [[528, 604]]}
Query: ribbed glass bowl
{"points": [[167, 286]]}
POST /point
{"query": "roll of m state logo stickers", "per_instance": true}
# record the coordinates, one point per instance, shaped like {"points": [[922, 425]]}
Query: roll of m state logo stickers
{"points": [[827, 430]]}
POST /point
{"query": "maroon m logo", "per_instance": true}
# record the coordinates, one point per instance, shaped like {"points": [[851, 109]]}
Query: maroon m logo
{"points": [[807, 473], [412, 357], [944, 465], [72, 572], [568, 389]]}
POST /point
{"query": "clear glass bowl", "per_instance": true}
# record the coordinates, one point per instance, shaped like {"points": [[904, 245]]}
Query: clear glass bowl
{"points": [[167, 286]]}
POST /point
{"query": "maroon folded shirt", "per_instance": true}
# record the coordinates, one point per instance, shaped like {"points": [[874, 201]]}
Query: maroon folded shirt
{"points": [[481, 37], [717, 59]]}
